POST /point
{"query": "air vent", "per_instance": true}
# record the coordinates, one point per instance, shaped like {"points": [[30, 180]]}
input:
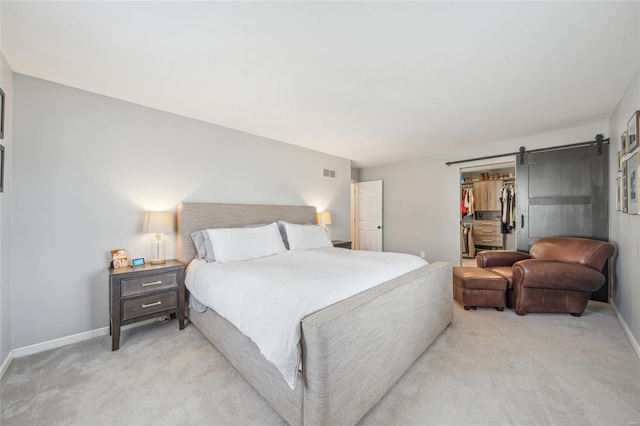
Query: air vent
{"points": [[329, 173]]}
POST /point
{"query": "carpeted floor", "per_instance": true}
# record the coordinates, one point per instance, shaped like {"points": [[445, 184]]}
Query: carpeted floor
{"points": [[487, 368]]}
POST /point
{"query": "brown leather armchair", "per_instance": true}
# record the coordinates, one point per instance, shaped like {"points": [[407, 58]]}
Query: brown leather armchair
{"points": [[558, 275]]}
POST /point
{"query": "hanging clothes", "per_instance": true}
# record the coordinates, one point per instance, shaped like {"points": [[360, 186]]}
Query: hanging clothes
{"points": [[463, 203], [512, 217], [507, 214], [466, 202], [466, 240]]}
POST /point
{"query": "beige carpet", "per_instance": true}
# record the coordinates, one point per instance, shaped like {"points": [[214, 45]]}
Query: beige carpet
{"points": [[487, 368]]}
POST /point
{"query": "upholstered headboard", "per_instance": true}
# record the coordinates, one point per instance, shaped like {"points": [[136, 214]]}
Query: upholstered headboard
{"points": [[198, 216]]}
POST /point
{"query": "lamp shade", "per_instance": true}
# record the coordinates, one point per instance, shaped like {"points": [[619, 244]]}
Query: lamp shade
{"points": [[324, 218], [158, 222]]}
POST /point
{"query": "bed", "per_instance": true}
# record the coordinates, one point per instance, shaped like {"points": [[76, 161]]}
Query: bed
{"points": [[352, 351]]}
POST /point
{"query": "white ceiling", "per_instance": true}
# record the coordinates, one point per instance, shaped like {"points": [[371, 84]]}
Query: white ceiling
{"points": [[374, 82]]}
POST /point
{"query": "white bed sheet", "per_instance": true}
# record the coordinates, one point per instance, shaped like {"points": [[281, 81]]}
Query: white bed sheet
{"points": [[267, 298]]}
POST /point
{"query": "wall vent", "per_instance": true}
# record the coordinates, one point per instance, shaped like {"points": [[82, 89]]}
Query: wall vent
{"points": [[329, 173]]}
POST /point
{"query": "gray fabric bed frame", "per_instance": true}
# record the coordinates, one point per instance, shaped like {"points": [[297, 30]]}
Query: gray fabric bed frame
{"points": [[352, 351]]}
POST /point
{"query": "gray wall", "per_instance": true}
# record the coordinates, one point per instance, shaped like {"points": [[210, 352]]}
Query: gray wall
{"points": [[88, 166], [6, 82], [624, 229]]}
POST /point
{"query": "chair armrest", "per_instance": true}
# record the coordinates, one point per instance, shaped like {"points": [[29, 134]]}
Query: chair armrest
{"points": [[490, 258], [554, 274]]}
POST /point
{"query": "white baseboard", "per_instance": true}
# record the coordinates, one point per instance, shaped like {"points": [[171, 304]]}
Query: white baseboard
{"points": [[75, 338], [56, 343], [5, 364], [625, 328]]}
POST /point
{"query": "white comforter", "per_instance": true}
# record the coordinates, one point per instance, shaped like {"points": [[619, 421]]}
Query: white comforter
{"points": [[267, 298]]}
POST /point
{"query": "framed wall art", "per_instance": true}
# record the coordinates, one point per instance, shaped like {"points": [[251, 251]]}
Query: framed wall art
{"points": [[1, 114], [632, 173], [619, 192], [625, 194], [619, 161], [1, 168], [632, 132], [623, 143]]}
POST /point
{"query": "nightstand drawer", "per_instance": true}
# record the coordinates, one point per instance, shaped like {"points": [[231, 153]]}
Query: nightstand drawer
{"points": [[149, 304], [146, 284]]}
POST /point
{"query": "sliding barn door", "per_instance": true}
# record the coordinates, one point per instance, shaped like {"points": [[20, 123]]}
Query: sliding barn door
{"points": [[563, 193]]}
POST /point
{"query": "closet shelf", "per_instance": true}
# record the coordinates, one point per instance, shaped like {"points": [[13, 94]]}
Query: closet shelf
{"points": [[470, 184]]}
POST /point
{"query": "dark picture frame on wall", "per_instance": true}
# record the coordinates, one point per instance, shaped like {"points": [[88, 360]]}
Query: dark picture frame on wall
{"points": [[1, 168], [1, 114]]}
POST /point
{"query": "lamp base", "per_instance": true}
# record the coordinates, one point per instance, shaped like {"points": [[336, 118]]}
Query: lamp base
{"points": [[157, 251]]}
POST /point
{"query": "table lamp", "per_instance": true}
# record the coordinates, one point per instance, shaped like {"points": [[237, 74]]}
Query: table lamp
{"points": [[323, 218], [158, 222]]}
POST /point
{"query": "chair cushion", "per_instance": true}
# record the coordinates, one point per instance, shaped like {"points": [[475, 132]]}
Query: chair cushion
{"points": [[478, 279], [505, 272], [556, 275]]}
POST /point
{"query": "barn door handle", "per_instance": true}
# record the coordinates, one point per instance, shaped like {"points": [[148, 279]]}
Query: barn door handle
{"points": [[521, 221]]}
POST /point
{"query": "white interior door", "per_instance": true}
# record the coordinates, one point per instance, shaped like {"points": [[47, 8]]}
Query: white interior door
{"points": [[369, 215]]}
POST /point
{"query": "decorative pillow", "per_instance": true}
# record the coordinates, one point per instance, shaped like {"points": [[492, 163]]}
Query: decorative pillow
{"points": [[305, 237], [210, 255], [235, 244], [198, 241], [283, 233], [203, 246]]}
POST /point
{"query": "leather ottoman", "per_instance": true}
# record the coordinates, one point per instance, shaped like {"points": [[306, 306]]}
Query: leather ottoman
{"points": [[474, 287]]}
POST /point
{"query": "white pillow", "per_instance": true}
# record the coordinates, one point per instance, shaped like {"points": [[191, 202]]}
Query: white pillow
{"points": [[234, 244], [305, 237]]}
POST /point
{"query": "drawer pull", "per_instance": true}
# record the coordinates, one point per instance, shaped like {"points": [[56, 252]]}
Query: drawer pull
{"points": [[148, 305], [152, 283]]}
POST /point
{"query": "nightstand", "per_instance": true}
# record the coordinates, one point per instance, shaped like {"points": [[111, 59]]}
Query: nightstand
{"points": [[342, 244], [143, 292]]}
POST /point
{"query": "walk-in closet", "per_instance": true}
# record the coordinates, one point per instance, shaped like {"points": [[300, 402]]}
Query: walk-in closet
{"points": [[487, 210]]}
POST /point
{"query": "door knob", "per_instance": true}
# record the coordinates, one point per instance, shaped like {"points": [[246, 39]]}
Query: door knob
{"points": [[379, 227]]}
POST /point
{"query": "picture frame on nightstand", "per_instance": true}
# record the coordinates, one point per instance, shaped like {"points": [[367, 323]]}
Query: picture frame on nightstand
{"points": [[119, 257]]}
